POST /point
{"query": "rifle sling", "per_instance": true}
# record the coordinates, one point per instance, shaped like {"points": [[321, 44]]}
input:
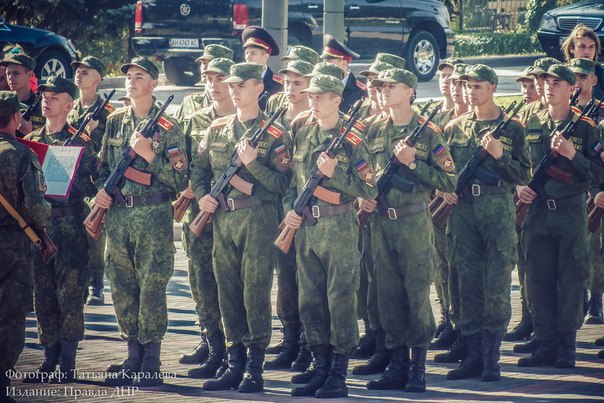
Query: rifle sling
{"points": [[29, 231]]}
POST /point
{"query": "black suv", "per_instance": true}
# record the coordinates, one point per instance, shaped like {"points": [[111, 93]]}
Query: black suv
{"points": [[557, 24], [176, 31], [53, 53]]}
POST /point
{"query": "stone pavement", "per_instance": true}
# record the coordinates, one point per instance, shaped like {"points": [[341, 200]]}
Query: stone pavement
{"points": [[103, 346]]}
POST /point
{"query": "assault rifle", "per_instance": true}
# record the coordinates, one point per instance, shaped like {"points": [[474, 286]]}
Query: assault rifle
{"points": [[95, 115], [30, 109]]}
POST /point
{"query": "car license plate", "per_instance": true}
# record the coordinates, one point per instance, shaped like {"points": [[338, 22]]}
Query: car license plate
{"points": [[184, 43]]}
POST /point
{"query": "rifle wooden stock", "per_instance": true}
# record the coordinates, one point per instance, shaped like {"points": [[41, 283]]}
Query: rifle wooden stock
{"points": [[595, 215], [199, 222], [47, 246], [326, 195], [441, 214], [521, 210], [285, 239], [180, 207], [435, 203], [137, 176], [94, 222]]}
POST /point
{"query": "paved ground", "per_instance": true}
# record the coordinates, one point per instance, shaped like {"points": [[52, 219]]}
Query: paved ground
{"points": [[103, 346]]}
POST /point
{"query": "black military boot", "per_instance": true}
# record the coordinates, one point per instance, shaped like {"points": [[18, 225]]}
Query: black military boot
{"points": [[48, 366], [594, 313], [289, 351], [601, 354], [335, 385], [321, 364], [307, 375], [303, 359], [417, 371], [199, 353], [527, 348], [121, 374], [252, 378], [545, 354], [566, 350], [524, 328], [471, 366], [397, 372], [446, 337], [95, 290], [232, 377], [150, 372], [490, 351], [67, 368], [366, 346], [217, 352], [380, 358], [456, 353]]}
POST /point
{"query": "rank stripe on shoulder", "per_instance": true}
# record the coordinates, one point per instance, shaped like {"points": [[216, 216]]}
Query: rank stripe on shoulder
{"points": [[431, 125], [359, 125], [278, 79], [274, 131], [361, 85], [110, 108], [72, 129], [589, 120], [353, 139], [164, 123]]}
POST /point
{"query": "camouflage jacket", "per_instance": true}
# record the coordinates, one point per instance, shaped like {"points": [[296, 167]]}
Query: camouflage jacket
{"points": [[78, 114]]}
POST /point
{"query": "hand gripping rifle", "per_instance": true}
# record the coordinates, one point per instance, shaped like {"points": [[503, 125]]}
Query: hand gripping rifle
{"points": [[384, 182], [541, 171], [301, 204], [222, 187], [440, 210], [95, 115], [94, 221]]}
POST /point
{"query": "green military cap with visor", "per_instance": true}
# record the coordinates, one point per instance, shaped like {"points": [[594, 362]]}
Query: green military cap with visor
{"points": [[299, 67], [244, 71], [527, 74], [395, 76], [60, 85], [480, 72], [143, 63], [389, 58], [300, 52], [215, 51], [450, 62], [561, 72], [9, 103], [322, 83], [582, 66], [220, 65], [329, 69], [458, 70], [543, 64], [93, 63], [16, 55], [376, 68]]}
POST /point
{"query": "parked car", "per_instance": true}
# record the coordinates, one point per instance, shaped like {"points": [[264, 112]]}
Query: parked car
{"points": [[557, 24], [175, 31], [53, 53]]}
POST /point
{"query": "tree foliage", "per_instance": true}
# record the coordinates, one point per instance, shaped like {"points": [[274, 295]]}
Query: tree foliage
{"points": [[535, 10]]}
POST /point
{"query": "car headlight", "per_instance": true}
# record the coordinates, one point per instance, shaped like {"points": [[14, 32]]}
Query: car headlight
{"points": [[548, 22], [444, 16]]}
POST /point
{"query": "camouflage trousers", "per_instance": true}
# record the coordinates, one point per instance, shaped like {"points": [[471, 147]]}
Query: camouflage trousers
{"points": [[60, 285], [328, 281], [521, 265], [287, 287], [403, 253], [557, 255], [202, 282], [482, 244], [96, 254], [243, 258], [367, 296], [441, 262], [16, 293], [139, 260], [595, 282]]}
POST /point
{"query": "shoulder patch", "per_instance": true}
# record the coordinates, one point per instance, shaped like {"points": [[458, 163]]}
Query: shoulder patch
{"points": [[220, 122], [576, 109], [589, 120], [434, 127], [359, 125], [164, 123], [72, 129], [274, 131], [361, 85], [353, 139], [278, 79], [109, 108]]}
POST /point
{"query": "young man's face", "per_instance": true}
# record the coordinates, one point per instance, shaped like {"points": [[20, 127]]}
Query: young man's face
{"points": [[256, 55], [444, 80], [245, 93], [324, 105], [529, 92], [87, 78], [457, 91], [557, 92], [219, 91], [18, 76], [479, 92], [539, 85], [396, 94], [586, 82], [372, 90], [139, 83], [55, 104], [292, 85], [341, 63], [584, 48]]}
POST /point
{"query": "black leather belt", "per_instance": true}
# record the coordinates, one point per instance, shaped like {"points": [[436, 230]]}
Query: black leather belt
{"points": [[477, 190], [247, 202], [63, 211], [150, 200], [555, 204], [329, 211], [395, 213]]}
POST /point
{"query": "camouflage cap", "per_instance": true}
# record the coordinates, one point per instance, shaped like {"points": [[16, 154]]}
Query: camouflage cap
{"points": [[527, 74], [59, 85], [329, 69], [299, 52], [395, 76], [322, 83], [450, 62], [215, 51], [93, 63], [299, 67], [458, 70], [394, 60], [582, 66], [244, 71], [220, 65], [561, 72], [143, 63], [16, 55], [480, 72], [543, 64], [9, 103], [376, 68]]}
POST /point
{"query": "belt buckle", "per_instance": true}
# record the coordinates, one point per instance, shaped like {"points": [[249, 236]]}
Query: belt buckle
{"points": [[551, 204], [230, 204], [392, 213], [475, 190], [316, 212], [129, 202]]}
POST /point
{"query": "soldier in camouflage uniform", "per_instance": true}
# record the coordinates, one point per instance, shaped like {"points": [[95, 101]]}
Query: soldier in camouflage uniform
{"points": [[539, 67], [481, 232], [527, 86], [401, 234], [554, 235], [139, 258], [328, 260], [445, 70], [211, 350], [61, 284], [89, 73], [242, 262], [22, 185], [195, 102], [19, 71]]}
